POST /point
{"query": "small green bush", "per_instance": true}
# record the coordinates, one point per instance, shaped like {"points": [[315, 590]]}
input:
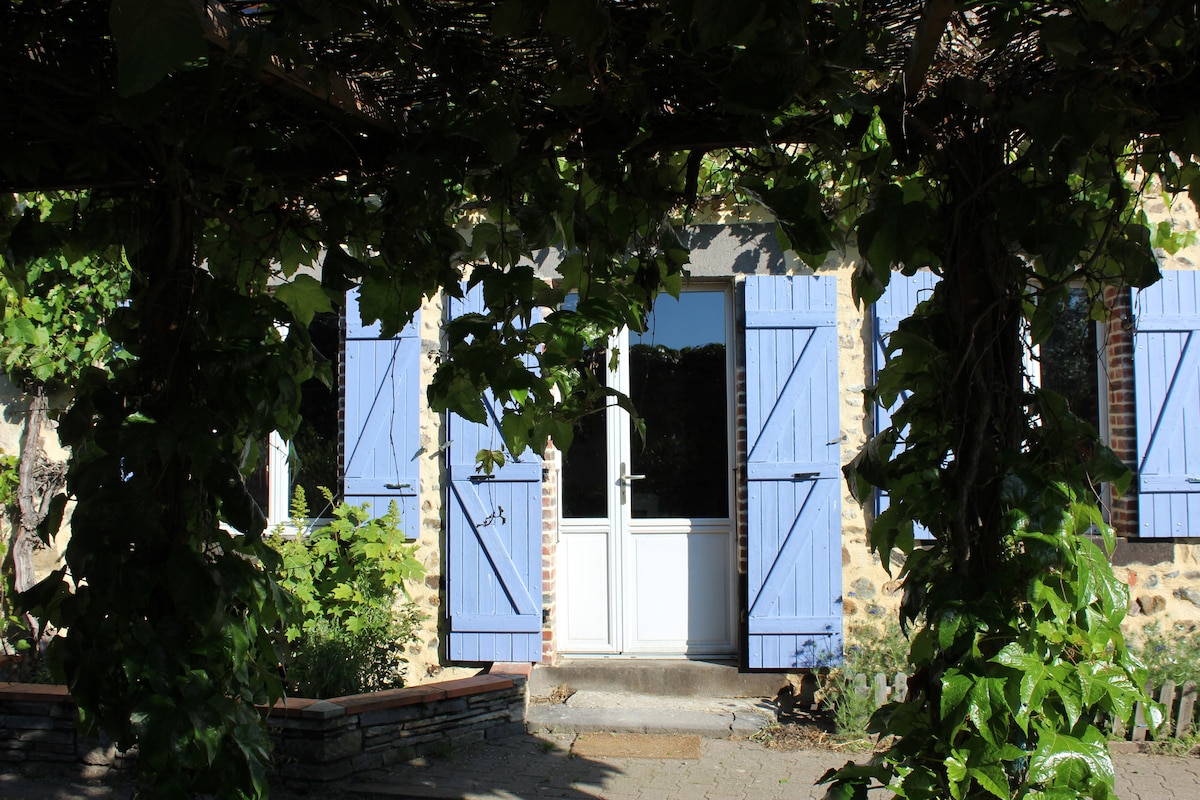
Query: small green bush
{"points": [[347, 630], [871, 648], [1172, 655], [17, 641]]}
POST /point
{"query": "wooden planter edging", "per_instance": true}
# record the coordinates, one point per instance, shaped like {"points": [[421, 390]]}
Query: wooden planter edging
{"points": [[315, 740]]}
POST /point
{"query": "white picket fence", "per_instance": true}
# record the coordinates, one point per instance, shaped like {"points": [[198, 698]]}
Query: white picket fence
{"points": [[1179, 706]]}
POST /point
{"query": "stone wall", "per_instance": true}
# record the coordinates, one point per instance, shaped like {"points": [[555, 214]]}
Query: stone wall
{"points": [[316, 741], [1164, 586], [38, 730], [869, 592], [426, 656], [328, 740], [1163, 575]]}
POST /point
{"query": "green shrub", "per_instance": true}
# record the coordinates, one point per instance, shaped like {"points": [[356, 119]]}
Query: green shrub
{"points": [[1172, 655], [871, 648], [17, 641], [346, 631]]}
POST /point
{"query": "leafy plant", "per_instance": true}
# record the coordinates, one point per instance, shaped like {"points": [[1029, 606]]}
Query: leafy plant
{"points": [[28, 665], [1013, 662], [1169, 655], [345, 634], [871, 649], [989, 142], [9, 481], [55, 306]]}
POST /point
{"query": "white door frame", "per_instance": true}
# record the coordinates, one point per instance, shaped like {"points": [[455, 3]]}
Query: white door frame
{"points": [[615, 596]]}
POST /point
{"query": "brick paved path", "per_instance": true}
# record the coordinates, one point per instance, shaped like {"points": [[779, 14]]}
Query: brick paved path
{"points": [[526, 767]]}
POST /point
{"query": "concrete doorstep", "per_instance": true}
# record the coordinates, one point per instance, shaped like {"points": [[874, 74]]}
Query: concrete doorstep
{"points": [[618, 712]]}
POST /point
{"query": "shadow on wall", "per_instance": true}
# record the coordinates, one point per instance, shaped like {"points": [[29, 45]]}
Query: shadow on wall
{"points": [[749, 249]]}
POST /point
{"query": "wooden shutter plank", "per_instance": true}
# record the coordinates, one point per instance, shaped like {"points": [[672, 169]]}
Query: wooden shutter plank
{"points": [[901, 297], [1177, 389], [1166, 372], [494, 536], [793, 473], [495, 550], [381, 439]]}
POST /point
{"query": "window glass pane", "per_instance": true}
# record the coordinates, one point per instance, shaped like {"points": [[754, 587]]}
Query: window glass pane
{"points": [[1070, 358], [312, 457], [677, 374], [258, 483]]}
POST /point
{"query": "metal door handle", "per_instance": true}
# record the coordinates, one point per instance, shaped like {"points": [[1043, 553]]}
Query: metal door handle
{"points": [[628, 478], [806, 476]]}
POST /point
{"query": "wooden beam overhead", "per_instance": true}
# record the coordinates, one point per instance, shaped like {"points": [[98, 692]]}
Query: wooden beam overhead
{"points": [[329, 87]]}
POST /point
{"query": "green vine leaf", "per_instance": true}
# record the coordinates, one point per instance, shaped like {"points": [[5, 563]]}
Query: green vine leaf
{"points": [[153, 39], [305, 298], [1062, 759]]}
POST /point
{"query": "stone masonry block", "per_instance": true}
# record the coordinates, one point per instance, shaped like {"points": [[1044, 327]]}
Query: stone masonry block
{"points": [[366, 761], [392, 716], [301, 774]]}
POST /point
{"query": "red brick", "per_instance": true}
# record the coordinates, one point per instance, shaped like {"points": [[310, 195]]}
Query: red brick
{"points": [[480, 684], [506, 668], [34, 692], [392, 698], [288, 706]]}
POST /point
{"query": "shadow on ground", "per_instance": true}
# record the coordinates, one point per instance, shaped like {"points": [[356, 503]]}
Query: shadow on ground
{"points": [[516, 766]]}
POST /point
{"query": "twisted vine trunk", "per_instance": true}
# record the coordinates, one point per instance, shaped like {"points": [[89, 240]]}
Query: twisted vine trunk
{"points": [[985, 416], [40, 479], [167, 370]]}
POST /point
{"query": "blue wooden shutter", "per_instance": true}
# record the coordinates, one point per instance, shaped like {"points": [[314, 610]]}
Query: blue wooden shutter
{"points": [[380, 447], [899, 299], [494, 531], [794, 543], [1166, 366]]}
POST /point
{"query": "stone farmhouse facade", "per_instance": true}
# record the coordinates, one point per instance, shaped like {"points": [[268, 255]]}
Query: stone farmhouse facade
{"points": [[745, 545], [728, 533]]}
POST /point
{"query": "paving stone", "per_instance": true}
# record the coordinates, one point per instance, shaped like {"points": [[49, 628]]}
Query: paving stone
{"points": [[529, 767]]}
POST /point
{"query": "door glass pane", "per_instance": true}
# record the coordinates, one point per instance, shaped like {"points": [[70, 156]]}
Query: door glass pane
{"points": [[677, 375], [585, 464]]}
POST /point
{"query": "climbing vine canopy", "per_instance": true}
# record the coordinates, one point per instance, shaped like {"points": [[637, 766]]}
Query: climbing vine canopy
{"points": [[216, 151]]}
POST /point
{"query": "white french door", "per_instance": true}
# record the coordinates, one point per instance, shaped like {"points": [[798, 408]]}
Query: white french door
{"points": [[646, 547]]}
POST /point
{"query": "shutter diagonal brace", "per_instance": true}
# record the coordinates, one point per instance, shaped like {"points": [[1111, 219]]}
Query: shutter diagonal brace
{"points": [[1180, 388], [771, 427], [792, 544], [389, 382]]}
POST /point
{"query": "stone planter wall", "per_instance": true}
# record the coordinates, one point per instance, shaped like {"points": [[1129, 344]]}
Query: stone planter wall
{"points": [[37, 730], [315, 740], [327, 740]]}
